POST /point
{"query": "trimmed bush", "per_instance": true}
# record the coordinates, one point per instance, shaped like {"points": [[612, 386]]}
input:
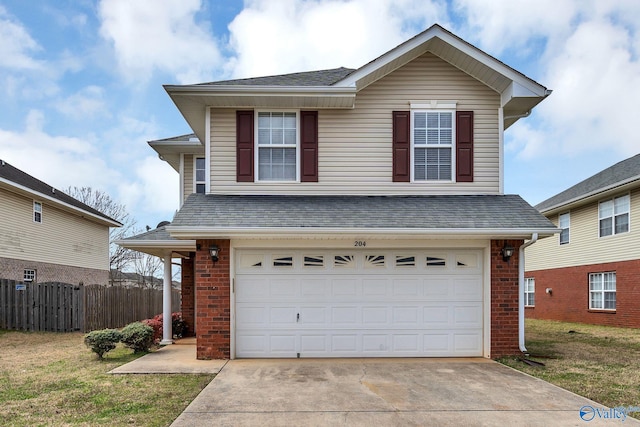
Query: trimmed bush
{"points": [[156, 325], [137, 336], [102, 341]]}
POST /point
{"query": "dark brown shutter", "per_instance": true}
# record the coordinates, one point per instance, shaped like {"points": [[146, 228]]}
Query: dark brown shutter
{"points": [[401, 146], [244, 146], [464, 146], [309, 146]]}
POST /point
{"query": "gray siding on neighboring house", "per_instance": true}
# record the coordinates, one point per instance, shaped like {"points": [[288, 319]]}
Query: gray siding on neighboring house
{"points": [[585, 246], [355, 153]]}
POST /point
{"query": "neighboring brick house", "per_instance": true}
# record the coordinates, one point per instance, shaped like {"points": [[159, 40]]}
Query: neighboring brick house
{"points": [[590, 273], [47, 235], [353, 213]]}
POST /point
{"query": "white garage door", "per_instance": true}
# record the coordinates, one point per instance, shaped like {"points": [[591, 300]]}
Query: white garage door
{"points": [[341, 303]]}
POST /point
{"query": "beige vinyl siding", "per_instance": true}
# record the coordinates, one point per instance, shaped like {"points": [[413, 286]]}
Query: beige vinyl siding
{"points": [[61, 238], [355, 155], [585, 247], [188, 175]]}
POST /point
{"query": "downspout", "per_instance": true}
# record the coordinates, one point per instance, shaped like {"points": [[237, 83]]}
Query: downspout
{"points": [[534, 238]]}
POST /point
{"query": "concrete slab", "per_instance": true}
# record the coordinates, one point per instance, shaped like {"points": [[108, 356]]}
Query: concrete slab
{"points": [[383, 392], [178, 358]]}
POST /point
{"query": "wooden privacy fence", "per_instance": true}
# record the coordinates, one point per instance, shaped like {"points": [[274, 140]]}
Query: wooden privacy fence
{"points": [[61, 307]]}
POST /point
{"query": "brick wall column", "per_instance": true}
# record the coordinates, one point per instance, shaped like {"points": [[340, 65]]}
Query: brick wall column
{"points": [[504, 300], [188, 293], [213, 301]]}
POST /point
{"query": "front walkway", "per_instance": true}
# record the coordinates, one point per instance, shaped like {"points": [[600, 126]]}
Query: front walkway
{"points": [[178, 358]]}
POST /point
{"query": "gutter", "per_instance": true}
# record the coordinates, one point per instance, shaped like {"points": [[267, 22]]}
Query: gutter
{"points": [[534, 238]]}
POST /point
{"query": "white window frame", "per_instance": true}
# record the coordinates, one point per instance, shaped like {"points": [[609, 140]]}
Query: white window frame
{"points": [[195, 174], [37, 210], [567, 227], [614, 214], [29, 275], [433, 107], [257, 146], [602, 292], [530, 292]]}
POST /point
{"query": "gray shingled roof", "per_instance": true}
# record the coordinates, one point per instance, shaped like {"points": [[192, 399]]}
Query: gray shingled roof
{"points": [[619, 173], [419, 212], [16, 176], [309, 78], [156, 234]]}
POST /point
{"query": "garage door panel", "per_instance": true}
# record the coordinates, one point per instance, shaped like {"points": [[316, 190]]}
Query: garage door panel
{"points": [[334, 304]]}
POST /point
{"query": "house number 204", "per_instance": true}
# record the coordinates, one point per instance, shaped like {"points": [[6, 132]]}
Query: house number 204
{"points": [[359, 243]]}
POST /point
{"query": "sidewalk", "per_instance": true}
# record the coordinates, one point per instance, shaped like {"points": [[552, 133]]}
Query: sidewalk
{"points": [[178, 358]]}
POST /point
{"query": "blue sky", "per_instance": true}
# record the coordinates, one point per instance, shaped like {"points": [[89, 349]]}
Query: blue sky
{"points": [[81, 80]]}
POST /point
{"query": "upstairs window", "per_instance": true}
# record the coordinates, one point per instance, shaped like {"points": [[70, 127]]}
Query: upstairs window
{"points": [[613, 216], [277, 142], [433, 137], [564, 222], [200, 175], [37, 212]]}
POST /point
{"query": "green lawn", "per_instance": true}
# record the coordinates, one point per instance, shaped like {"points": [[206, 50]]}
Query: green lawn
{"points": [[598, 362], [54, 379]]}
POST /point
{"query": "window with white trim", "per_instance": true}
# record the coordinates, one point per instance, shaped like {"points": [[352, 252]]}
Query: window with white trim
{"points": [[564, 222], [277, 142], [29, 275], [613, 216], [200, 175], [433, 136], [602, 291], [529, 291], [37, 212]]}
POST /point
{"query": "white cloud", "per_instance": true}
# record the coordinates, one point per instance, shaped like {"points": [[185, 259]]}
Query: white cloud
{"points": [[149, 36], [84, 104], [17, 45], [273, 37]]}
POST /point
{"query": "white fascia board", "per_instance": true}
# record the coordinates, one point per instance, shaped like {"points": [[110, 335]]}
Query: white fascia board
{"points": [[461, 45], [159, 244], [66, 206], [584, 199], [250, 90], [346, 233]]}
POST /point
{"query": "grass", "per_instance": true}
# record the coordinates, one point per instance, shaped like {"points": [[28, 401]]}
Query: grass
{"points": [[598, 362], [53, 379]]}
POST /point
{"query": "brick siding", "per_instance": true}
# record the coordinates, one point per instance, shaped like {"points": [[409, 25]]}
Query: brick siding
{"points": [[569, 298], [13, 269], [213, 302], [188, 293], [504, 300]]}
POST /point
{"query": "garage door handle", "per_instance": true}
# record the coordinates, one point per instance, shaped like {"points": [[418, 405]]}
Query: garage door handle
{"points": [[298, 317]]}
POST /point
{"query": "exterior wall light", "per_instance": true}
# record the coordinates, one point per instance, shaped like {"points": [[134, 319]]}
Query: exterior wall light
{"points": [[507, 252], [214, 251]]}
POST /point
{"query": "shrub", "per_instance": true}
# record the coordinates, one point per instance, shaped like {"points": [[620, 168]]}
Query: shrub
{"points": [[156, 325], [102, 341], [137, 336]]}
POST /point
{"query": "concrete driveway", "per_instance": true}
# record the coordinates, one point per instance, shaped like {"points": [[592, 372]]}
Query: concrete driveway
{"points": [[385, 392]]}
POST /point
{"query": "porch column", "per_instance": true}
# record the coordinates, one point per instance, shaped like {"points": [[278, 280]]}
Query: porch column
{"points": [[167, 324]]}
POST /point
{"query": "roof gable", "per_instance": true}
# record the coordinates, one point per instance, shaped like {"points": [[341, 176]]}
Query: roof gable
{"points": [[614, 178], [20, 181]]}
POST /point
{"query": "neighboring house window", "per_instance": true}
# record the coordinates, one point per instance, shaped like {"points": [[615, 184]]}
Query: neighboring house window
{"points": [[37, 212], [614, 216], [200, 175], [602, 291], [277, 142], [529, 291], [29, 275], [433, 136], [564, 222]]}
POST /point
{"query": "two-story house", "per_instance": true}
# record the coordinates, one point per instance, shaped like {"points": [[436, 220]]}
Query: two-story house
{"points": [[49, 236], [590, 273], [351, 213]]}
